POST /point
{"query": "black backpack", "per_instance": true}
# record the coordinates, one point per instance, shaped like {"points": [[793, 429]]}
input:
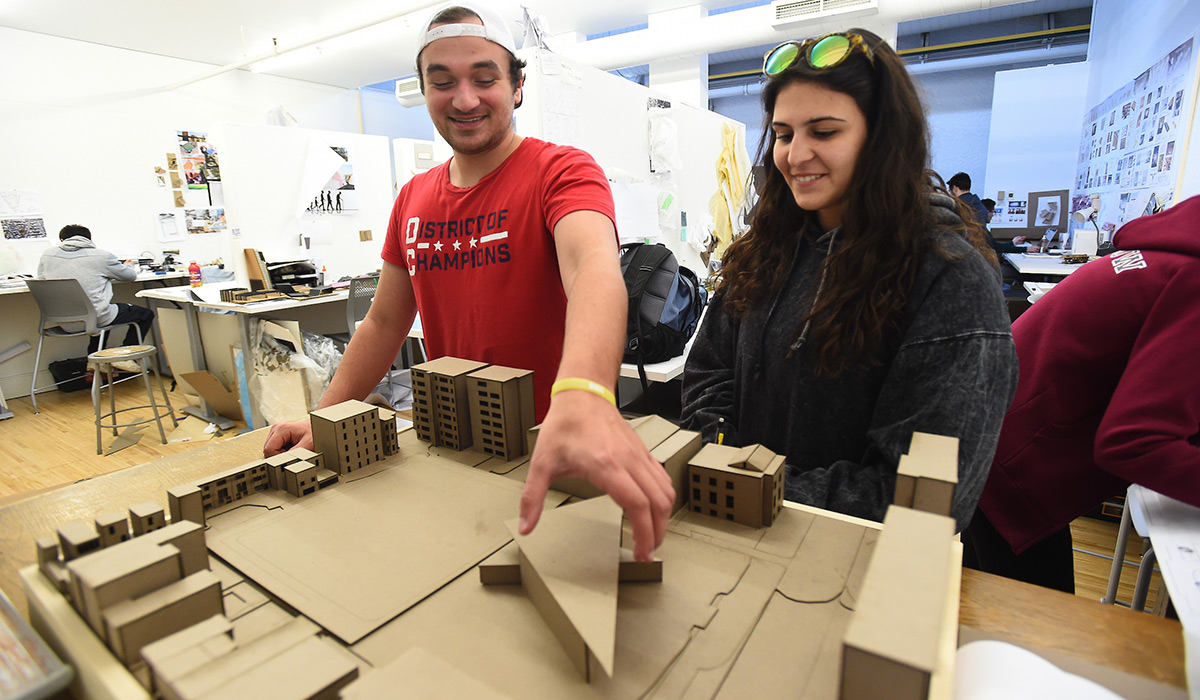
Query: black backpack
{"points": [[665, 302]]}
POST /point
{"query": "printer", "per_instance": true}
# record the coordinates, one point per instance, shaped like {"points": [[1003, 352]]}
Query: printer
{"points": [[294, 273]]}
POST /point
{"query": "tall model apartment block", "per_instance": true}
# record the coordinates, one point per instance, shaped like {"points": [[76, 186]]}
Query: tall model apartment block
{"points": [[441, 410], [502, 411], [347, 435]]}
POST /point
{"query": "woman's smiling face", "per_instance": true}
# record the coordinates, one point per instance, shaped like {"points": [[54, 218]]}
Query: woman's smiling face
{"points": [[818, 135]]}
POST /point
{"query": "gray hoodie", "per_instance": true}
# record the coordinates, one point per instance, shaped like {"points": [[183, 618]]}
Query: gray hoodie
{"points": [[79, 259], [950, 369]]}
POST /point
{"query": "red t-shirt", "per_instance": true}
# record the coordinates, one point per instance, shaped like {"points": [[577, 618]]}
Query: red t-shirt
{"points": [[482, 259]]}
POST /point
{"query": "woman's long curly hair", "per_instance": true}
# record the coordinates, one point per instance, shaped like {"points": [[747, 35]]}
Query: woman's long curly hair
{"points": [[886, 219]]}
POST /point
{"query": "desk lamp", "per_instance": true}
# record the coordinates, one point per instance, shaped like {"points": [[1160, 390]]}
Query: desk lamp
{"points": [[1089, 214]]}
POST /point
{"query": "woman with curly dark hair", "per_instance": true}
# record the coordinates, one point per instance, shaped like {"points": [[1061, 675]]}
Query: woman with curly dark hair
{"points": [[863, 304]]}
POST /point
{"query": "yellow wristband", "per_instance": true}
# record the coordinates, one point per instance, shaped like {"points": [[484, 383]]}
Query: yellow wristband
{"points": [[584, 385]]}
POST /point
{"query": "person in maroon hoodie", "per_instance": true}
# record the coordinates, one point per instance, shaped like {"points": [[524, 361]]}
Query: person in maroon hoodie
{"points": [[1108, 395]]}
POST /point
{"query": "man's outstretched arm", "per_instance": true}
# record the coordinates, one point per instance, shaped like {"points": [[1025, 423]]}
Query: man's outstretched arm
{"points": [[584, 434]]}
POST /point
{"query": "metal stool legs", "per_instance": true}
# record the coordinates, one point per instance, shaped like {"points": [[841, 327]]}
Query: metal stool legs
{"points": [[103, 363]]}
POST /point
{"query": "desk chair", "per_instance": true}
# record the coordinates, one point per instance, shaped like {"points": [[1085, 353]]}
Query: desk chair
{"points": [[361, 294], [59, 302], [1131, 515]]}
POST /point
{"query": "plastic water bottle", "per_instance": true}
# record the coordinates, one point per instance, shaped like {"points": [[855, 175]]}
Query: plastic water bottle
{"points": [[194, 274]]}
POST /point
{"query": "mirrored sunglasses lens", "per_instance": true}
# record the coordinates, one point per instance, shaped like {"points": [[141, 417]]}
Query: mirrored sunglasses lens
{"points": [[828, 51], [780, 59]]}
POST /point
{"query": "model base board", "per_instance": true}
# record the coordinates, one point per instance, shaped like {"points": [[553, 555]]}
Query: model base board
{"points": [[741, 612]]}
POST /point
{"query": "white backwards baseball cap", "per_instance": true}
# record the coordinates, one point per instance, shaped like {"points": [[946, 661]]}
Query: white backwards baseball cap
{"points": [[494, 28]]}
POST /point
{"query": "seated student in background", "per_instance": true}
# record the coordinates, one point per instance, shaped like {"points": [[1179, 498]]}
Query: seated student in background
{"points": [[859, 307], [1108, 396], [960, 187], [1014, 246], [77, 258]]}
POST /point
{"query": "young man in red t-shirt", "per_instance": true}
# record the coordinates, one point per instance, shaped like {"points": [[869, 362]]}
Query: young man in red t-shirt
{"points": [[509, 251]]}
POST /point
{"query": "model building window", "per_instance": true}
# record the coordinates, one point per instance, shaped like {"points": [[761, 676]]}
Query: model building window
{"points": [[728, 485], [712, 497], [695, 478], [712, 481], [696, 496], [728, 501]]}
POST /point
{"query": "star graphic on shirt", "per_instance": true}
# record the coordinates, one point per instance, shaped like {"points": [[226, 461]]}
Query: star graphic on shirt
{"points": [[438, 246], [473, 243], [458, 245]]}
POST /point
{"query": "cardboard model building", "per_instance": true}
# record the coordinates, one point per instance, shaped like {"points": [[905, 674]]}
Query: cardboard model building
{"points": [[570, 566], [441, 409], [348, 435], [463, 404], [191, 501], [928, 474], [744, 485]]}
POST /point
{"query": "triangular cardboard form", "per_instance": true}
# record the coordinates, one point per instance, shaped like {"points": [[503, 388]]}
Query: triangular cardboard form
{"points": [[575, 555]]}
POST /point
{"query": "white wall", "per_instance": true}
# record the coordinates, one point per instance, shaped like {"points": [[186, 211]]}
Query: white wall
{"points": [[264, 167], [607, 116], [84, 126], [958, 106], [1035, 121]]}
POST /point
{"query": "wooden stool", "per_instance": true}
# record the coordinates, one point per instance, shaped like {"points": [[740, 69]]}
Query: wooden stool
{"points": [[102, 361]]}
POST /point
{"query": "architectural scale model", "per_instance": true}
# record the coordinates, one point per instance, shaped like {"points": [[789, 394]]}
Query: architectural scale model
{"points": [[744, 484], [464, 404], [350, 435], [441, 409], [144, 588]]}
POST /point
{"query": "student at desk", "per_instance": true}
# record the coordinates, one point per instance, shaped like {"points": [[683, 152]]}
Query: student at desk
{"points": [[860, 307], [1109, 395], [509, 252], [77, 258]]}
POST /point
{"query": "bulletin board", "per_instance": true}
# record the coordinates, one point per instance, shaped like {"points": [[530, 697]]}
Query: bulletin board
{"points": [[1131, 147], [1048, 211]]}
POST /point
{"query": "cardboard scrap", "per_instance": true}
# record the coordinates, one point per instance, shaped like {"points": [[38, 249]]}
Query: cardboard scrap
{"points": [[128, 437], [569, 566], [220, 399]]}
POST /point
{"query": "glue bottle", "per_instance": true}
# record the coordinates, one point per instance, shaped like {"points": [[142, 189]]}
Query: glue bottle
{"points": [[194, 274]]}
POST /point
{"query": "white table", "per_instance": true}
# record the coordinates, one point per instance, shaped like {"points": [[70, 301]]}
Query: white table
{"points": [[18, 286], [1038, 289], [208, 300], [1046, 265]]}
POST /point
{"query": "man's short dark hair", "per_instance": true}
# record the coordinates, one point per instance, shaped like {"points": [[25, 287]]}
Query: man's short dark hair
{"points": [[455, 15], [989, 204], [960, 180], [72, 230]]}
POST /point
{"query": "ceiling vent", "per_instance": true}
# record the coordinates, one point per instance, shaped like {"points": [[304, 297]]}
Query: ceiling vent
{"points": [[789, 13], [408, 92]]}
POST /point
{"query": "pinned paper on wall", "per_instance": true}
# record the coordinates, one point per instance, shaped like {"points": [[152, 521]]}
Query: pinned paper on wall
{"points": [[21, 215], [169, 229], [637, 210], [327, 183]]}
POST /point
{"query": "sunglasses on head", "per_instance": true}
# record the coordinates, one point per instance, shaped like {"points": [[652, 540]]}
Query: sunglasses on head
{"points": [[823, 52]]}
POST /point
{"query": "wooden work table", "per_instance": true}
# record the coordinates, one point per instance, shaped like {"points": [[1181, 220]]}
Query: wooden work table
{"points": [[1111, 637]]}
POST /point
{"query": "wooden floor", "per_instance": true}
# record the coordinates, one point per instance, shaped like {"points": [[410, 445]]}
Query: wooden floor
{"points": [[58, 446]]}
